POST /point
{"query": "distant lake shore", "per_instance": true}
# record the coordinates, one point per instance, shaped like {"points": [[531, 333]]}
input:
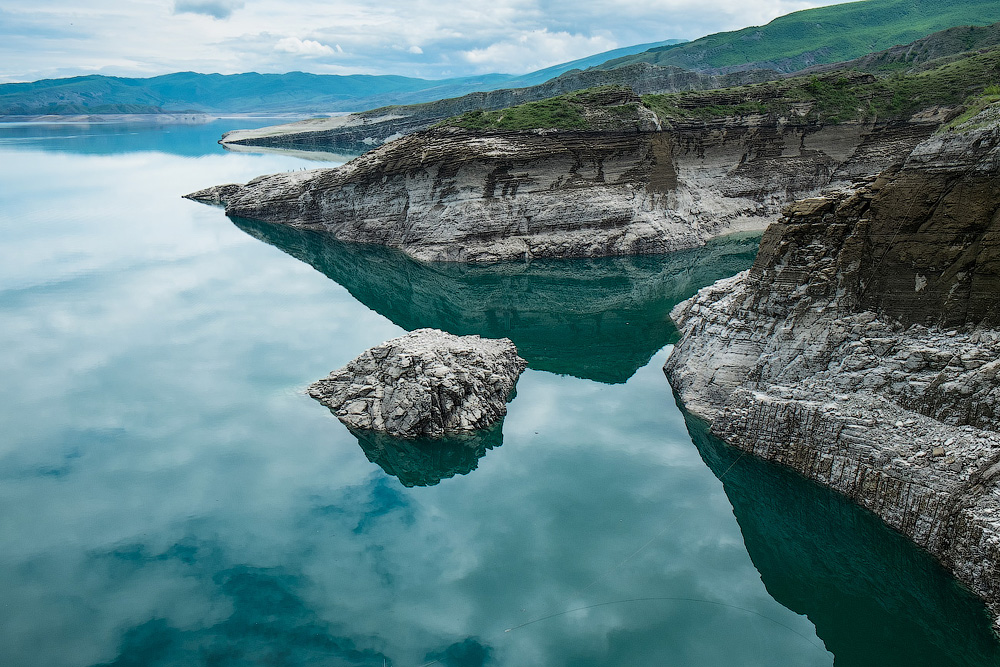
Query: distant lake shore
{"points": [[176, 118]]}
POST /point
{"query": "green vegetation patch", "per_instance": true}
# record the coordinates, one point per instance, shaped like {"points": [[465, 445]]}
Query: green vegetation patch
{"points": [[839, 96], [822, 35], [591, 109], [975, 106]]}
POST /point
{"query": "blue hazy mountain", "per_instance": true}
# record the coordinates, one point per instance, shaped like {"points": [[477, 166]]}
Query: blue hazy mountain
{"points": [[298, 92]]}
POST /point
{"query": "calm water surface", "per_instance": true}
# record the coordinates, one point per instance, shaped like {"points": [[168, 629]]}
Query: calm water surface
{"points": [[170, 496]]}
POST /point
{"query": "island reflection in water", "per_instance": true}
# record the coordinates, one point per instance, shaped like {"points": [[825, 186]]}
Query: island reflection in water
{"points": [[873, 597], [596, 319], [426, 461]]}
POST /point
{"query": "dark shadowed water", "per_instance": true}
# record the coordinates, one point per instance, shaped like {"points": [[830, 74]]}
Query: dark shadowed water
{"points": [[170, 496]]}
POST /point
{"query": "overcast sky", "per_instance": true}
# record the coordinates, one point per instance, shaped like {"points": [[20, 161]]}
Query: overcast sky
{"points": [[55, 38]]}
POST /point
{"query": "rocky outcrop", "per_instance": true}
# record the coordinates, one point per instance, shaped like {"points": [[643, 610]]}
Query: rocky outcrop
{"points": [[479, 196], [861, 349], [427, 383]]}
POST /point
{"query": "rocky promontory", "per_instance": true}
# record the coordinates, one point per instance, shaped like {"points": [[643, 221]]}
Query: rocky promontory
{"points": [[862, 348], [621, 183], [427, 383]]}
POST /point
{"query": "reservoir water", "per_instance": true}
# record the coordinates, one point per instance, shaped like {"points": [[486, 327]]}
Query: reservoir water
{"points": [[170, 496]]}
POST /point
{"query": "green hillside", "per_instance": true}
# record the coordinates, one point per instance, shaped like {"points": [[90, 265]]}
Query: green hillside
{"points": [[824, 35], [829, 97]]}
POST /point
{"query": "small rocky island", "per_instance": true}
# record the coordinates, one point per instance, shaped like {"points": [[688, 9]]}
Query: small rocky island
{"points": [[427, 383]]}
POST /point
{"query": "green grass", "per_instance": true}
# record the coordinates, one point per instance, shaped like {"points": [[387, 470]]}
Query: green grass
{"points": [[822, 35], [832, 97], [839, 96], [563, 112], [556, 112], [974, 106]]}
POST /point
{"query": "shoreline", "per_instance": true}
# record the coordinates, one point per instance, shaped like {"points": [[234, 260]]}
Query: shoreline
{"points": [[179, 118]]}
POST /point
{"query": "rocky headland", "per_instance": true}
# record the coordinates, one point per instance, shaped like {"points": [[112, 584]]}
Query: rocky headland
{"points": [[627, 178], [427, 383], [862, 348]]}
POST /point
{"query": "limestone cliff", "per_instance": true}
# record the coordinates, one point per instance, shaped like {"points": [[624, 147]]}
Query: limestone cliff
{"points": [[628, 187], [862, 350]]}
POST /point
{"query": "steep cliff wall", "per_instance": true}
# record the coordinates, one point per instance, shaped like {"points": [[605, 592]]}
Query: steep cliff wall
{"points": [[861, 349], [627, 187]]}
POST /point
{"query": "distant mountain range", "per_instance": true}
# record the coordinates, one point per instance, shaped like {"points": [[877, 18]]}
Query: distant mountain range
{"points": [[790, 43], [295, 92]]}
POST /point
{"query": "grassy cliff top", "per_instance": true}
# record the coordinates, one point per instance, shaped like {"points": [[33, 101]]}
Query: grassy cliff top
{"points": [[840, 96], [605, 108], [828, 97]]}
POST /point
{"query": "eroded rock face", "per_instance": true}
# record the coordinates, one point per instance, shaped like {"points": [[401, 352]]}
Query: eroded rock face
{"points": [[481, 196], [427, 383], [862, 350]]}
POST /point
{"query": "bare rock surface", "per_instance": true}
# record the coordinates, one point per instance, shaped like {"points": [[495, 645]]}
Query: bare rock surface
{"points": [[427, 383], [862, 350]]}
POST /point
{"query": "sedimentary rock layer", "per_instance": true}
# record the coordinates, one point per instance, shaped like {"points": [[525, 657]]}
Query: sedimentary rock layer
{"points": [[426, 383], [862, 349], [472, 196]]}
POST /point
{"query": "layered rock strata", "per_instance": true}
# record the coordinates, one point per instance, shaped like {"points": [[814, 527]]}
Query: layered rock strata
{"points": [[427, 383], [479, 196], [862, 349]]}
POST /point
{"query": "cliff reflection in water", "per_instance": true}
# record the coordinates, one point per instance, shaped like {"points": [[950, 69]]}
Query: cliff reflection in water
{"points": [[426, 461], [598, 319], [874, 597]]}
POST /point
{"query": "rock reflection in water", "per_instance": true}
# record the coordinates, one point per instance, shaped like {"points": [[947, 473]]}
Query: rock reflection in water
{"points": [[426, 461], [599, 319], [874, 597]]}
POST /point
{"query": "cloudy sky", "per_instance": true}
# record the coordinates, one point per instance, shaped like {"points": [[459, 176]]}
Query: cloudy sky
{"points": [[54, 38]]}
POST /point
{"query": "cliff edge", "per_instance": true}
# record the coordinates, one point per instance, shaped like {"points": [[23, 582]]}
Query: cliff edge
{"points": [[862, 348]]}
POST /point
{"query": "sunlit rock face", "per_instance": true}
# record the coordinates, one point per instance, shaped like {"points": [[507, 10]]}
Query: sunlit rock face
{"points": [[861, 349], [426, 383]]}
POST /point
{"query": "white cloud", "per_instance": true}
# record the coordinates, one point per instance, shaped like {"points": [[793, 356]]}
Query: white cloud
{"points": [[535, 50], [219, 9], [425, 38], [306, 47]]}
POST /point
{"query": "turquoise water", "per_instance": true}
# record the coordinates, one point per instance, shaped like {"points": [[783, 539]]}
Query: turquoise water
{"points": [[170, 496]]}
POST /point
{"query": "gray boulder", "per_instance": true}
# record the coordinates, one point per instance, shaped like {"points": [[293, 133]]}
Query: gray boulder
{"points": [[427, 383]]}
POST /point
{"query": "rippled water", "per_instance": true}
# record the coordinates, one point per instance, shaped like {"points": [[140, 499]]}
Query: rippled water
{"points": [[169, 495]]}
